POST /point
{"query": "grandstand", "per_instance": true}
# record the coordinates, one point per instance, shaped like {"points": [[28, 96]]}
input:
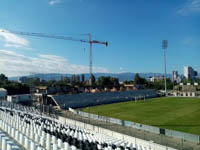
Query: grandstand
{"points": [[92, 99], [26, 129]]}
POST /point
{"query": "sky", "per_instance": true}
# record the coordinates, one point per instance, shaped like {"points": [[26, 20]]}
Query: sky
{"points": [[134, 30]]}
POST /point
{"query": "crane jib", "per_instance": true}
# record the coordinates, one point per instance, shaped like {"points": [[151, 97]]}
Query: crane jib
{"points": [[62, 38]]}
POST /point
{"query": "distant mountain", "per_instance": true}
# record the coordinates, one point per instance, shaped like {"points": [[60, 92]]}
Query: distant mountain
{"points": [[120, 76]]}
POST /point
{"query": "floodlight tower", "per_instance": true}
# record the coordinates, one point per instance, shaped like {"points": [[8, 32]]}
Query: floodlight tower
{"points": [[164, 46]]}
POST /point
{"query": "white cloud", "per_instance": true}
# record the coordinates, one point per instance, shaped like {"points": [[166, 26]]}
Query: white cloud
{"points": [[189, 7], [192, 42], [12, 40], [53, 2], [187, 41], [14, 64]]}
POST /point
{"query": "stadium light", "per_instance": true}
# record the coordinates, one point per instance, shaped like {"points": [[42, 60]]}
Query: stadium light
{"points": [[164, 46]]}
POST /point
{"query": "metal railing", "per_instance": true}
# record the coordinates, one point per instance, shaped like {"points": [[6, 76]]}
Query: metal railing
{"points": [[152, 129]]}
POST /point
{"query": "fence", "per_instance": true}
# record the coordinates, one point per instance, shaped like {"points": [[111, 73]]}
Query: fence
{"points": [[135, 141], [152, 129]]}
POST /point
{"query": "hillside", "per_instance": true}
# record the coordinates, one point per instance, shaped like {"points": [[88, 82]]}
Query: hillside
{"points": [[120, 76]]}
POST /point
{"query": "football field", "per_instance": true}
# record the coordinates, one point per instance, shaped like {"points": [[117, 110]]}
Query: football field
{"points": [[181, 114]]}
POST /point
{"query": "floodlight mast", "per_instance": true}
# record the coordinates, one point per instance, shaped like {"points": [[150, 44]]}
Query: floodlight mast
{"points": [[164, 46]]}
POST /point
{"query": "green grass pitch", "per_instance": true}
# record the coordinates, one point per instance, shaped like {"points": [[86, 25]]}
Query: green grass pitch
{"points": [[181, 114]]}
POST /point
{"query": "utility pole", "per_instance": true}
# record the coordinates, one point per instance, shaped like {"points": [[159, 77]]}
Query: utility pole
{"points": [[164, 46]]}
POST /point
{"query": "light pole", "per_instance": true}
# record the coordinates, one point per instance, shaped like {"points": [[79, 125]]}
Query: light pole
{"points": [[164, 46]]}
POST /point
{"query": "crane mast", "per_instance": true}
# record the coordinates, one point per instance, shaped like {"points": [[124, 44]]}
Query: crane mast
{"points": [[90, 41]]}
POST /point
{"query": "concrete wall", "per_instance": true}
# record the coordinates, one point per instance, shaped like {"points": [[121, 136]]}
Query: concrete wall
{"points": [[185, 94], [19, 98], [3, 94]]}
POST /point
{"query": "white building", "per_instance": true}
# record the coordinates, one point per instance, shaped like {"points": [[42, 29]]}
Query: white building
{"points": [[24, 98], [189, 72], [22, 79], [157, 78], [3, 93], [174, 76]]}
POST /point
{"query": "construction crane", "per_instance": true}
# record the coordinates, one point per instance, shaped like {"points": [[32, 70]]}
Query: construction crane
{"points": [[90, 41]]}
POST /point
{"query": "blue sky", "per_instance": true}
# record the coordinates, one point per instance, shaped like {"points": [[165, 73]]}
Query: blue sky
{"points": [[134, 30]]}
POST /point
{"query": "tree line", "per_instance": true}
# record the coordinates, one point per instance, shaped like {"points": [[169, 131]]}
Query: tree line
{"points": [[79, 80], [13, 88]]}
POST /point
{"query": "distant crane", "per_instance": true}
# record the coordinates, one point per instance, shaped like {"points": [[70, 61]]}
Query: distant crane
{"points": [[90, 41]]}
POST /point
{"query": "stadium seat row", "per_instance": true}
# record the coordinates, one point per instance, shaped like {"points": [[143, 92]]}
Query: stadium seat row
{"points": [[35, 132], [38, 132]]}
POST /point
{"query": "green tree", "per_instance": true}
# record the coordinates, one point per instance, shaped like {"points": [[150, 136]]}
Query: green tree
{"points": [[82, 78], [128, 82], [107, 81], [78, 79], [197, 80], [73, 79], [51, 83], [14, 88], [92, 80], [139, 80], [3, 78], [34, 81], [185, 80], [115, 81], [159, 85], [66, 79]]}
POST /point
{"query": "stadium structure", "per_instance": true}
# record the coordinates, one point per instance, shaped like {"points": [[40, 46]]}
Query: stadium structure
{"points": [[91, 99], [26, 128]]}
